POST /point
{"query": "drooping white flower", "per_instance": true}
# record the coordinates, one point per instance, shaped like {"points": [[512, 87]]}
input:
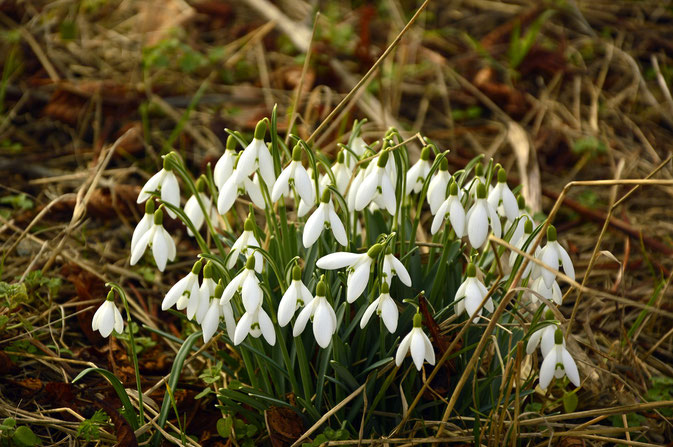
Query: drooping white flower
{"points": [[296, 296], [211, 320], [144, 225], [358, 147], [255, 322], [193, 209], [479, 178], [437, 186], [480, 218], [452, 209], [551, 254], [324, 217], [418, 344], [525, 235], [323, 181], [166, 183], [342, 173], [247, 284], [558, 363], [321, 313], [225, 165], [394, 267], [355, 187], [520, 221], [295, 176], [470, 295], [226, 310], [236, 185], [245, 245], [385, 307], [544, 337], [377, 182], [163, 246], [206, 294], [358, 265], [257, 156], [552, 293], [502, 194], [108, 317], [180, 294], [417, 174]]}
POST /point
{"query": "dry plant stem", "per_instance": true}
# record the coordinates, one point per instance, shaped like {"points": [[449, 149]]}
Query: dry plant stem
{"points": [[594, 255], [367, 75]]}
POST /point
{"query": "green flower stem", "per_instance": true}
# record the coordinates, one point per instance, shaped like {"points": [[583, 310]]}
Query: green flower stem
{"points": [[134, 355]]}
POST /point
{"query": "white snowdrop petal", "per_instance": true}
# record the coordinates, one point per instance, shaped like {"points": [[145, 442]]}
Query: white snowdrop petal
{"points": [[287, 306], [119, 321], [224, 168], [547, 342], [402, 349], [495, 220], [251, 293], [254, 192], [389, 314], [322, 324], [170, 192], [570, 367], [242, 328], [202, 308], [281, 187], [266, 165], [439, 217], [547, 369], [267, 328], [337, 260], [106, 319], [229, 321], [568, 268], [509, 203], [401, 271], [303, 185], [302, 319], [246, 162], [429, 350], [338, 229], [143, 227], [140, 247], [533, 341], [314, 226], [151, 185], [477, 225], [231, 288], [388, 194], [228, 194], [556, 294], [170, 244], [365, 192], [211, 321], [159, 250], [473, 298], [457, 217], [417, 348], [357, 282], [550, 257], [369, 312], [175, 293]]}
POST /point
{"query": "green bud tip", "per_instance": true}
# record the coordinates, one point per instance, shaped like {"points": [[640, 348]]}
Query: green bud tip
{"points": [[324, 198], [321, 288], [374, 251], [425, 153], [110, 295], [471, 270], [479, 170], [389, 249], [167, 163], [159, 217], [208, 270], [417, 320], [558, 337], [453, 188], [296, 153], [528, 226], [296, 273], [196, 268], [383, 159], [341, 156], [385, 288], [149, 206], [444, 165], [502, 176], [219, 289], [521, 202], [201, 184], [231, 143], [250, 263], [549, 315], [481, 191], [249, 224], [260, 130], [551, 233]]}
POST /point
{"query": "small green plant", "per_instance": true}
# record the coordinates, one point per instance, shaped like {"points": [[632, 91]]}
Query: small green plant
{"points": [[19, 436], [520, 45], [89, 429], [230, 427]]}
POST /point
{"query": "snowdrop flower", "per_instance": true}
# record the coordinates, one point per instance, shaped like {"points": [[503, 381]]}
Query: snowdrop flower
{"points": [[324, 217], [180, 294], [321, 313], [294, 175], [257, 156], [247, 284], [226, 310], [163, 246], [358, 265], [521, 220], [238, 184], [394, 267], [211, 320], [551, 254], [385, 307], [418, 344], [144, 225], [323, 181], [437, 186], [480, 217], [452, 209], [225, 165], [479, 177], [558, 363], [357, 147], [166, 183], [502, 194], [255, 322], [245, 245], [470, 295], [418, 172], [552, 293], [355, 186], [377, 182], [544, 336], [194, 211], [525, 235], [296, 295], [199, 304], [342, 173], [108, 317]]}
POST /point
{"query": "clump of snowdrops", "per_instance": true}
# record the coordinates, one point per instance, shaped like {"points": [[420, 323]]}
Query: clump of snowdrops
{"points": [[312, 279]]}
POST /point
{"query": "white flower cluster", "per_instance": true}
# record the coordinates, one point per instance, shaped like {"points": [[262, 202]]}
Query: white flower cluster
{"points": [[360, 179]]}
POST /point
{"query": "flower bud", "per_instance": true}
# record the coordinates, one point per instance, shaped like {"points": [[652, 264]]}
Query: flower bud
{"points": [[551, 233], [296, 273], [296, 153], [196, 268], [418, 319], [481, 191], [383, 159], [374, 251], [149, 206], [250, 263], [231, 143], [502, 176], [471, 270], [260, 130]]}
